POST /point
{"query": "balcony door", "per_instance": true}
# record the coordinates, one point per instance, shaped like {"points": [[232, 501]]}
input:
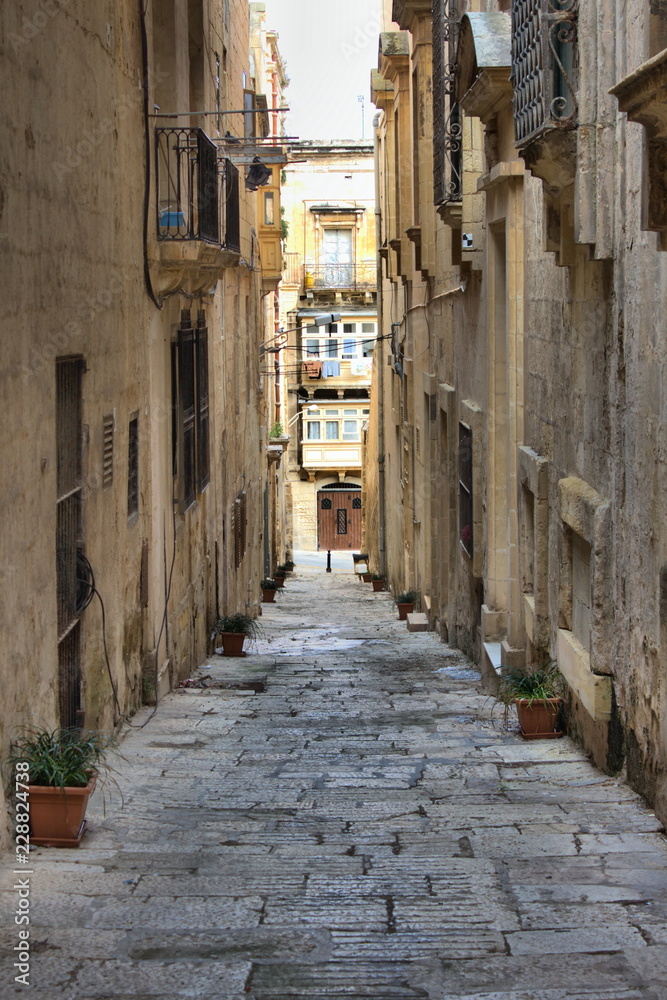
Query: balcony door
{"points": [[337, 258]]}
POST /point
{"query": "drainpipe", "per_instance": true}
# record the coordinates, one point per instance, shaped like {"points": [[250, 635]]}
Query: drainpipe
{"points": [[378, 350]]}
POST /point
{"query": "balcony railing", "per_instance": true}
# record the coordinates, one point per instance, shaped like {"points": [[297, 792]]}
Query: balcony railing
{"points": [[447, 131], [544, 66], [354, 277], [198, 194]]}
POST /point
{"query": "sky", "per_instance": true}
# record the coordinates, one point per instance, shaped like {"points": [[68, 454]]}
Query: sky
{"points": [[329, 49]]}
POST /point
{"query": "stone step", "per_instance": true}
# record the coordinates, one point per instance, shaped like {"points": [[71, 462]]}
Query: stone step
{"points": [[417, 622]]}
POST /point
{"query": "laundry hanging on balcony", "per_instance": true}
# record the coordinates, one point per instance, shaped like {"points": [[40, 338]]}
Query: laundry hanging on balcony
{"points": [[313, 369], [361, 366], [330, 369]]}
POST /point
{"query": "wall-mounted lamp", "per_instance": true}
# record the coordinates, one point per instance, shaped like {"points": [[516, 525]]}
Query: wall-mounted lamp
{"points": [[301, 413], [324, 319]]}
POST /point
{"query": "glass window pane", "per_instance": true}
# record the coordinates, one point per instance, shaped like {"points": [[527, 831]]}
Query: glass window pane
{"points": [[350, 348], [332, 430], [368, 327], [331, 413], [313, 348], [269, 219], [350, 430], [349, 413], [349, 327], [331, 348], [313, 430]]}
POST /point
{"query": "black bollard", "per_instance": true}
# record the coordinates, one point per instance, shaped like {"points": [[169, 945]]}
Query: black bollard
{"points": [[328, 560]]}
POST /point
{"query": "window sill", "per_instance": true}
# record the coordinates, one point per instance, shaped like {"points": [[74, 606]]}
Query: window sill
{"points": [[593, 690]]}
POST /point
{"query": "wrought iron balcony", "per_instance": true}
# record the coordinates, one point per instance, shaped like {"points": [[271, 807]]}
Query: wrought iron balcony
{"points": [[359, 277], [197, 195], [544, 67], [447, 132]]}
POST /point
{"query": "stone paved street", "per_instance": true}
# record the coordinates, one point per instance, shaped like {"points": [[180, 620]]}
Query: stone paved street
{"points": [[357, 822]]}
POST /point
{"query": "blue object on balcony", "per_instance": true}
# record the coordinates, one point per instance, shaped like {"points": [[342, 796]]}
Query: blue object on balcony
{"points": [[172, 220]]}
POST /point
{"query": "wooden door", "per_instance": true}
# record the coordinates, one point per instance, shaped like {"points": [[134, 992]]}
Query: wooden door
{"points": [[339, 520]]}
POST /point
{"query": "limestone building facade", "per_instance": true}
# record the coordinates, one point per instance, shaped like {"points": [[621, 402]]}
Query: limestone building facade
{"points": [[135, 308], [518, 416], [330, 269]]}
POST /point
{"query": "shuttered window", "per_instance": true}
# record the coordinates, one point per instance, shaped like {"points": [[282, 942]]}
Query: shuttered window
{"points": [[239, 526], [191, 416]]}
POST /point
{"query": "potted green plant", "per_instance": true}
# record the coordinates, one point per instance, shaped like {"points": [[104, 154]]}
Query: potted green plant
{"points": [[366, 577], [405, 603], [279, 575], [268, 591], [277, 435], [60, 768], [233, 630], [538, 695], [288, 566], [377, 580]]}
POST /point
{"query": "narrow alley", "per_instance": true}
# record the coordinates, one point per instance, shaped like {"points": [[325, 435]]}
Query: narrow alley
{"points": [[344, 813]]}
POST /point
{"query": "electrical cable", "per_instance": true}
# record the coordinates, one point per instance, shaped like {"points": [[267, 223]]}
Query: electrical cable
{"points": [[88, 590]]}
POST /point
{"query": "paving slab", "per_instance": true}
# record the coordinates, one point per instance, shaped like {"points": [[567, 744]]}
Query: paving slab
{"points": [[345, 813]]}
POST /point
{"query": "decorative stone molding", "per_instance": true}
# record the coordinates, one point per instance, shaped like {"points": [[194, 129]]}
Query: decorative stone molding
{"points": [[445, 396], [382, 91], [643, 97], [483, 64], [405, 12], [190, 265], [588, 672]]}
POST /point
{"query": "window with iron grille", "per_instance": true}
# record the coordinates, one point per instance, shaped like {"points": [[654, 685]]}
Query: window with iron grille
{"points": [[107, 450], [190, 409], [465, 488], [446, 114], [238, 525], [544, 66], [133, 468]]}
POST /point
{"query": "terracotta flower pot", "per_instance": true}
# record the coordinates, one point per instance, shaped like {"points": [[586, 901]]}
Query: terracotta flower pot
{"points": [[366, 577], [279, 581], [538, 718], [268, 596], [57, 815], [404, 610], [232, 643], [378, 585]]}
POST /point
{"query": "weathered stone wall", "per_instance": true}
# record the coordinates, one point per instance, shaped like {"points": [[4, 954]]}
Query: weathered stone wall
{"points": [[304, 515], [72, 198], [543, 333]]}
